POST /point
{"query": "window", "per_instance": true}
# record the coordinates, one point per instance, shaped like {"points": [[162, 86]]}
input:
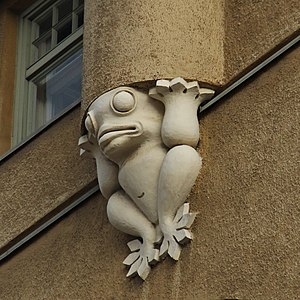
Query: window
{"points": [[49, 64]]}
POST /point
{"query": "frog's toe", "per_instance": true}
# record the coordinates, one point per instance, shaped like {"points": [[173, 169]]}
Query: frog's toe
{"points": [[183, 221], [140, 260], [177, 233], [171, 247]]}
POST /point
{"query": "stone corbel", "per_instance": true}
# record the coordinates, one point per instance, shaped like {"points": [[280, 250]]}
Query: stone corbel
{"points": [[147, 165]]}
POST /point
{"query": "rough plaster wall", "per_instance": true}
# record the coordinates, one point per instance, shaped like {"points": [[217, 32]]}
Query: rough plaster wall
{"points": [[251, 181], [252, 28], [131, 41], [246, 242], [42, 176], [211, 41]]}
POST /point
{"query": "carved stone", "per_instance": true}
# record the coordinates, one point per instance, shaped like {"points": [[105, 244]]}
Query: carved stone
{"points": [[147, 164]]}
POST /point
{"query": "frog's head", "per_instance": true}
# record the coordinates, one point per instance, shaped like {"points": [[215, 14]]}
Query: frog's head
{"points": [[123, 119]]}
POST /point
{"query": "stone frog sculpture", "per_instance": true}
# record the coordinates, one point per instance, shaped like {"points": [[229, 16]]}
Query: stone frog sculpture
{"points": [[147, 164]]}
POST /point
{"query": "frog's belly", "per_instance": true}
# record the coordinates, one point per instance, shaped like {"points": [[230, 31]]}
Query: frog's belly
{"points": [[139, 179]]}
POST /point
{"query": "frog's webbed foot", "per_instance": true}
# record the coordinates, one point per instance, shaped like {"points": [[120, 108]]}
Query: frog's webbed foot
{"points": [[124, 215], [177, 232], [143, 255]]}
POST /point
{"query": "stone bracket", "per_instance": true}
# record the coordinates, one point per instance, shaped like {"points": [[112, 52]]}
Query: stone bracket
{"points": [[144, 146]]}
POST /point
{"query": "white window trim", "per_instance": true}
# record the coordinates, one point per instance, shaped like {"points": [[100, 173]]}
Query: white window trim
{"points": [[75, 38]]}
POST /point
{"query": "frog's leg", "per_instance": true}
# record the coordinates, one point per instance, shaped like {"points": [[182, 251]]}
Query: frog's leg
{"points": [[124, 215], [182, 163], [177, 176]]}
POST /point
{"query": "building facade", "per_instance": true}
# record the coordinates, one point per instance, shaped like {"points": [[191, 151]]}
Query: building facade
{"points": [[54, 227]]}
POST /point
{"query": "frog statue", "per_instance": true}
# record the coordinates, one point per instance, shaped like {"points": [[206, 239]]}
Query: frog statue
{"points": [[143, 144]]}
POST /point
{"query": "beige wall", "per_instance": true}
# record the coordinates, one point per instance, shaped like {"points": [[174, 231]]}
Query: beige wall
{"points": [[210, 41], [133, 41], [246, 234], [253, 28], [246, 242], [45, 175], [41, 178]]}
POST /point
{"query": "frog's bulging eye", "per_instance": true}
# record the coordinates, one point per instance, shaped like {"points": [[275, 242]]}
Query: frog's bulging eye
{"points": [[90, 123], [123, 102]]}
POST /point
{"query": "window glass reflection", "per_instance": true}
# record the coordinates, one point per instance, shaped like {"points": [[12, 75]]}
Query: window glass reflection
{"points": [[59, 88]]}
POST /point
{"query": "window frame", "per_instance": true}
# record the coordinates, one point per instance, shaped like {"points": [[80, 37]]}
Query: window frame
{"points": [[24, 111]]}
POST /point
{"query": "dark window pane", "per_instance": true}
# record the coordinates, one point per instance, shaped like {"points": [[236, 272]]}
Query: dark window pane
{"points": [[45, 23], [80, 19], [65, 8], [64, 30], [80, 2]]}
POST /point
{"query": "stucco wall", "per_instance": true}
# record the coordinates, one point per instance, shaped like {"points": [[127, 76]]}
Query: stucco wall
{"points": [[210, 41], [132, 41], [42, 176], [253, 28], [246, 242], [247, 231]]}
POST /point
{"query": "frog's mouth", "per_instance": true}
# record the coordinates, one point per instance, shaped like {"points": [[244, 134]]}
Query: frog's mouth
{"points": [[109, 133]]}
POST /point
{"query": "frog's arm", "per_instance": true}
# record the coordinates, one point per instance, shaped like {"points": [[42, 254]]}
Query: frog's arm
{"points": [[107, 171], [180, 132], [181, 100]]}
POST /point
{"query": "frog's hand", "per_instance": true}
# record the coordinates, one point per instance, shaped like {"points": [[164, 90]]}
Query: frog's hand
{"points": [[177, 176], [107, 171], [124, 215], [181, 100]]}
